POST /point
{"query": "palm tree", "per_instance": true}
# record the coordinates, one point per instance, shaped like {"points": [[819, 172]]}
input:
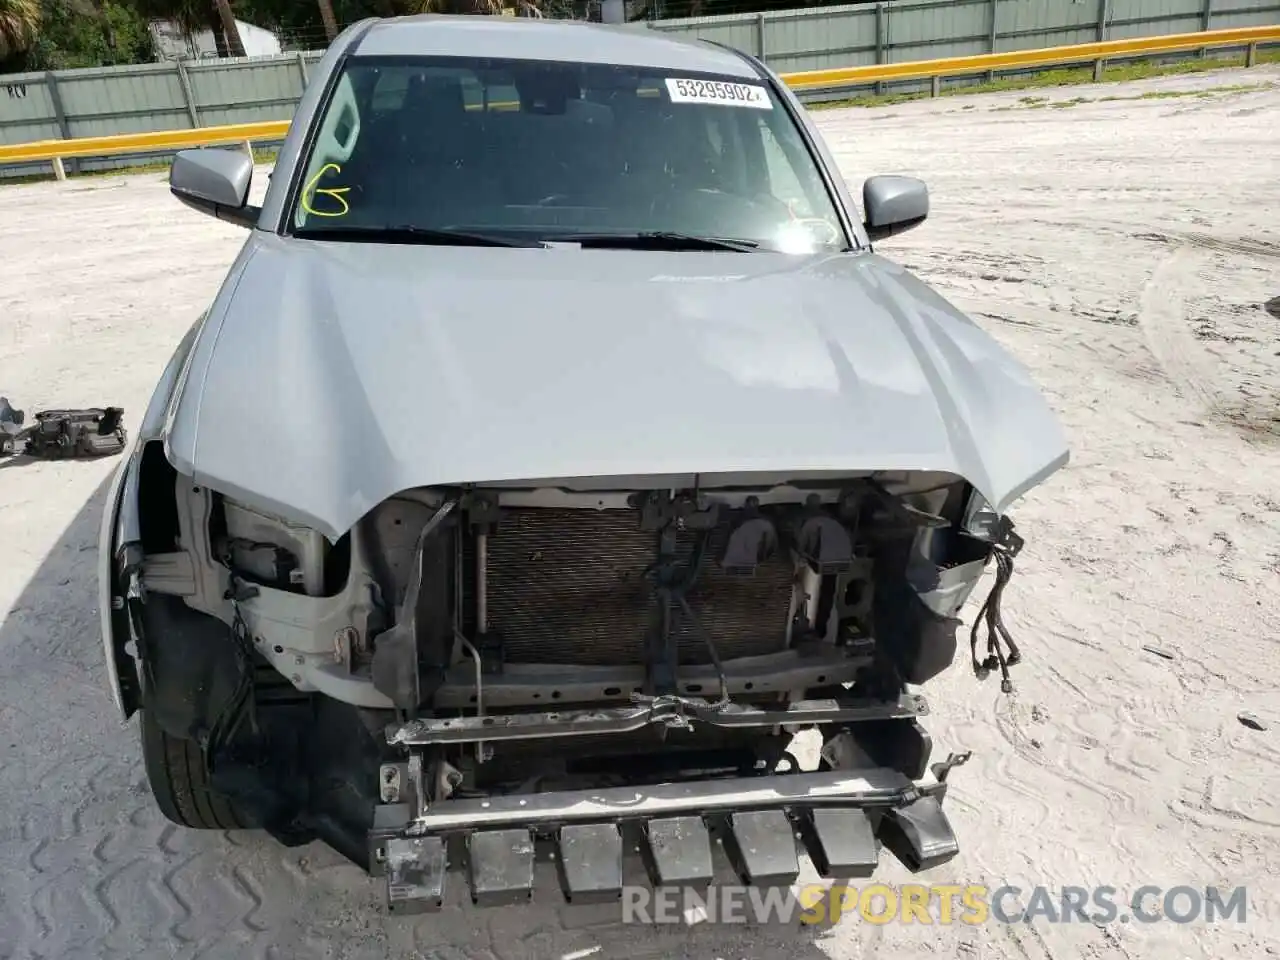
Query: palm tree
{"points": [[230, 29], [196, 15], [390, 8], [19, 22], [328, 19]]}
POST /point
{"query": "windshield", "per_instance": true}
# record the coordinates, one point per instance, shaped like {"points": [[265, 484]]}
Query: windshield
{"points": [[538, 151]]}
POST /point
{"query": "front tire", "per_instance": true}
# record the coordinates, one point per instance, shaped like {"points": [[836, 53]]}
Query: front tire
{"points": [[176, 773]]}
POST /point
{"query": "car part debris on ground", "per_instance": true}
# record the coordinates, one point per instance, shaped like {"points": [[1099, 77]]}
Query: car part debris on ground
{"points": [[1250, 721], [62, 434]]}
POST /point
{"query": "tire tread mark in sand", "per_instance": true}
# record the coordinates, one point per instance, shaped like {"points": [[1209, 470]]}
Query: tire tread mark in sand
{"points": [[241, 882], [1011, 731], [43, 929], [167, 832], [1068, 774], [85, 797], [1018, 784], [1203, 241], [97, 852], [142, 817], [1029, 928], [1160, 316], [98, 894], [41, 911], [35, 853], [1209, 799], [1245, 245], [170, 892]]}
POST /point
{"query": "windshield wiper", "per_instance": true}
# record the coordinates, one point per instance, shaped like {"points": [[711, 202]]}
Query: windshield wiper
{"points": [[406, 233], [656, 240]]}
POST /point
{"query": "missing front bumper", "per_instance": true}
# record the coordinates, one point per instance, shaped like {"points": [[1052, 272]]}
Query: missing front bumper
{"points": [[759, 825]]}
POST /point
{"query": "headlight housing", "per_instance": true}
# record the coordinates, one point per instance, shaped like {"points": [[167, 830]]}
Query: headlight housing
{"points": [[980, 519]]}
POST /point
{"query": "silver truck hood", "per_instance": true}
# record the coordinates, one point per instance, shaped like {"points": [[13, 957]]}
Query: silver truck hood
{"points": [[331, 376]]}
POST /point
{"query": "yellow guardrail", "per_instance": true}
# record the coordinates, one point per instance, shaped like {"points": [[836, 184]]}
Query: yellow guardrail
{"points": [[121, 143], [245, 133], [1027, 59]]}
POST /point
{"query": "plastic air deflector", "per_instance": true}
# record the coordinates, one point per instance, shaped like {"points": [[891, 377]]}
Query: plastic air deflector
{"points": [[919, 835], [415, 869], [589, 862], [500, 864], [762, 848], [841, 842], [677, 852]]}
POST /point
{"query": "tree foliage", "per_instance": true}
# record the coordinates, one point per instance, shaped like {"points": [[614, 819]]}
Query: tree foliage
{"points": [[55, 34], [19, 25], [74, 33]]}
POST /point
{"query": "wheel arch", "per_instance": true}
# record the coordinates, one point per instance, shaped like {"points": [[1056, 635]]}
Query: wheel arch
{"points": [[120, 535]]}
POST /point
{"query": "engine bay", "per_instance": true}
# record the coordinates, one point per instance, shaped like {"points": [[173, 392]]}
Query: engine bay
{"points": [[633, 592]]}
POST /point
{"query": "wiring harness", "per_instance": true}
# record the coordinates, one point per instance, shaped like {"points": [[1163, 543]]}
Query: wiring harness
{"points": [[1006, 544]]}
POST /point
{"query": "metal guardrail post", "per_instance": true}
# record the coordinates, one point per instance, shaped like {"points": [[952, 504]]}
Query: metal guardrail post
{"points": [[1104, 22], [1251, 55], [993, 34], [188, 98], [302, 69], [760, 34], [882, 40], [60, 116], [1206, 21]]}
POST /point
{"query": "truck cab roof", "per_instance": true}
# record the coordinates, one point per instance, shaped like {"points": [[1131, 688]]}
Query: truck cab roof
{"points": [[551, 40]]}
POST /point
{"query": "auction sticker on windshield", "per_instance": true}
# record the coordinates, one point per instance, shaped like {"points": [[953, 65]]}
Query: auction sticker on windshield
{"points": [[717, 91]]}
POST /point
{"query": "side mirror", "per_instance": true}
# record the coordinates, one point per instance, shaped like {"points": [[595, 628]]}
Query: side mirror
{"points": [[216, 182], [893, 205]]}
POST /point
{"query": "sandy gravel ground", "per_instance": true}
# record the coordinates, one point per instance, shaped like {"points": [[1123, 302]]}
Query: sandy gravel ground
{"points": [[1123, 246]]}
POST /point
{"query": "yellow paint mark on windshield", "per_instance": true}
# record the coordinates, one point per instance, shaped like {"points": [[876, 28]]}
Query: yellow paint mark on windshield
{"points": [[313, 190]]}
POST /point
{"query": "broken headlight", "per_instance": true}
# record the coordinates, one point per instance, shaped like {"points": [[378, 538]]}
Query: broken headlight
{"points": [[980, 520]]}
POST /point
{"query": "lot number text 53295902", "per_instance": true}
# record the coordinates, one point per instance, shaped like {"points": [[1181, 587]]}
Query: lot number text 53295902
{"points": [[718, 91]]}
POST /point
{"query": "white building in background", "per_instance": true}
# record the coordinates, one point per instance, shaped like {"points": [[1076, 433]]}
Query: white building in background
{"points": [[172, 44]]}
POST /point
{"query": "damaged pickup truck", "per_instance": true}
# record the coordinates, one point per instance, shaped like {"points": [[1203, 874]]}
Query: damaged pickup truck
{"points": [[554, 453]]}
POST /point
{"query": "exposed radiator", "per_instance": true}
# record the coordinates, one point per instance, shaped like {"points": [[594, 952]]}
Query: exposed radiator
{"points": [[566, 586]]}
